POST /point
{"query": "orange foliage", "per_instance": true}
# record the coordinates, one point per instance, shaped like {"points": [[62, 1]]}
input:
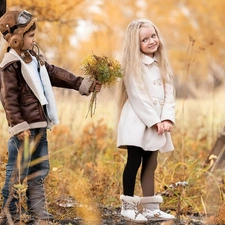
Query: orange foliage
{"points": [[71, 29]]}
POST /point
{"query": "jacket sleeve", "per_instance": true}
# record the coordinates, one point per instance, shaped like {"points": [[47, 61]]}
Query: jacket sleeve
{"points": [[10, 99], [62, 78], [141, 102], [168, 110]]}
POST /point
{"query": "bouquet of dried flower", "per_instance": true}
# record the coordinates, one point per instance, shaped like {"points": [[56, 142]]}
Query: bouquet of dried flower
{"points": [[102, 69]]}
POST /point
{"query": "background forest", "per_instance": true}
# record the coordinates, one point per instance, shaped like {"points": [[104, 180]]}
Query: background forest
{"points": [[86, 165]]}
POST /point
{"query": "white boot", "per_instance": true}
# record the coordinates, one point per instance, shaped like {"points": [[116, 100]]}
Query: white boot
{"points": [[151, 208], [132, 209]]}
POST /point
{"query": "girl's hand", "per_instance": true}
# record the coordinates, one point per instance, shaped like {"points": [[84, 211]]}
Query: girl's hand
{"points": [[159, 128], [96, 86], [25, 134], [168, 125]]}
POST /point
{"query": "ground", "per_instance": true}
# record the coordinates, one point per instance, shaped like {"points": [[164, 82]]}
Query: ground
{"points": [[111, 216], [66, 214]]}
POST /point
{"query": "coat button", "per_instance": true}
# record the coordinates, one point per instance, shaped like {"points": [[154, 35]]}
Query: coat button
{"points": [[161, 102], [159, 81], [155, 102], [154, 81]]}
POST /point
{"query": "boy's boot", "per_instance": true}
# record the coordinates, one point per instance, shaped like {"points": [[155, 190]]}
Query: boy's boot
{"points": [[14, 208], [131, 209], [36, 201], [151, 208]]}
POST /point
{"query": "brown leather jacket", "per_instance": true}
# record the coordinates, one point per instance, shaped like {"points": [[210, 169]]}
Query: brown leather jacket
{"points": [[22, 108]]}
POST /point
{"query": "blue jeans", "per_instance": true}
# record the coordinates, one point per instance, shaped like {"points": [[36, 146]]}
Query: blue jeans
{"points": [[25, 160]]}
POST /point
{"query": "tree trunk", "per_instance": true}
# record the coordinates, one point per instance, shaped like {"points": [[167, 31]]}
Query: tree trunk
{"points": [[2, 7], [218, 152]]}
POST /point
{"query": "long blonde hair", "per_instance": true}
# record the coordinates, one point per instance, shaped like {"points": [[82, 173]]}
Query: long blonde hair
{"points": [[131, 58]]}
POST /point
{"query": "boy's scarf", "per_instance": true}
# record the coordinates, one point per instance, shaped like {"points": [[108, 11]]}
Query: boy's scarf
{"points": [[40, 84]]}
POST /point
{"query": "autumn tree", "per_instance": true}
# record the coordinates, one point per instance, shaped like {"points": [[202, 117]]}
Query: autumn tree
{"points": [[193, 31]]}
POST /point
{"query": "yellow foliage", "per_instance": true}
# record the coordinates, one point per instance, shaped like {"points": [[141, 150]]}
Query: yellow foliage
{"points": [[220, 219], [71, 29]]}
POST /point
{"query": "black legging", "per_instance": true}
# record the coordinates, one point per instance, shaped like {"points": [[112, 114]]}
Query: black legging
{"points": [[135, 157]]}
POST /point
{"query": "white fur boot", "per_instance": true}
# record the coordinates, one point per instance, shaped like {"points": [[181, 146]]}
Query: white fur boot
{"points": [[151, 208], [132, 209]]}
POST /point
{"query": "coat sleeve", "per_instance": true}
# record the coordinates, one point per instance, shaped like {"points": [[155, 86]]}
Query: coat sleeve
{"points": [[10, 99], [141, 102], [62, 78], [168, 110]]}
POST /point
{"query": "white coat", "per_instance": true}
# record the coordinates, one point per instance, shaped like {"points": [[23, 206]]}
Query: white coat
{"points": [[148, 103]]}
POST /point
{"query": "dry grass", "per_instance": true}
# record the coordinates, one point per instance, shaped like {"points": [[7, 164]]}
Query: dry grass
{"points": [[86, 164]]}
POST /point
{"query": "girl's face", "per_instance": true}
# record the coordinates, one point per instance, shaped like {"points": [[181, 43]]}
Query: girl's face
{"points": [[29, 40], [149, 41]]}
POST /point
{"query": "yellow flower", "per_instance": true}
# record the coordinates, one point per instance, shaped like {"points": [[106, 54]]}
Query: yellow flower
{"points": [[102, 69]]}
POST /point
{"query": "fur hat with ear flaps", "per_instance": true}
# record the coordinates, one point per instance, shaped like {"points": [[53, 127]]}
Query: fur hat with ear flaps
{"points": [[13, 25]]}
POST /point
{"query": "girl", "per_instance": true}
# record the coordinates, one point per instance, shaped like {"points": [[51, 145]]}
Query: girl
{"points": [[146, 117]]}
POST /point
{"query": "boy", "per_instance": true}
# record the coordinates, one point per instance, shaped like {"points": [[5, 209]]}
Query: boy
{"points": [[28, 100]]}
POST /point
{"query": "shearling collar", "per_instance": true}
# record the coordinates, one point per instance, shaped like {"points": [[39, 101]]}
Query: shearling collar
{"points": [[8, 58]]}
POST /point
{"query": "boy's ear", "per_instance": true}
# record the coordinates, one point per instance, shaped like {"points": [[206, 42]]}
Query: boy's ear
{"points": [[16, 42]]}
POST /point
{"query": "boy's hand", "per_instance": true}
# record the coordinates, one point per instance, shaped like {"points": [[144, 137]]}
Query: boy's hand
{"points": [[21, 136], [96, 86], [168, 125]]}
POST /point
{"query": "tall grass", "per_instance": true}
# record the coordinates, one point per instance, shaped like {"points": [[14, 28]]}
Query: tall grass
{"points": [[86, 165]]}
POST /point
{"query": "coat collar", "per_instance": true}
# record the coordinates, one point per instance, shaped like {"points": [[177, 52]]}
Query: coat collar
{"points": [[8, 58], [148, 60]]}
